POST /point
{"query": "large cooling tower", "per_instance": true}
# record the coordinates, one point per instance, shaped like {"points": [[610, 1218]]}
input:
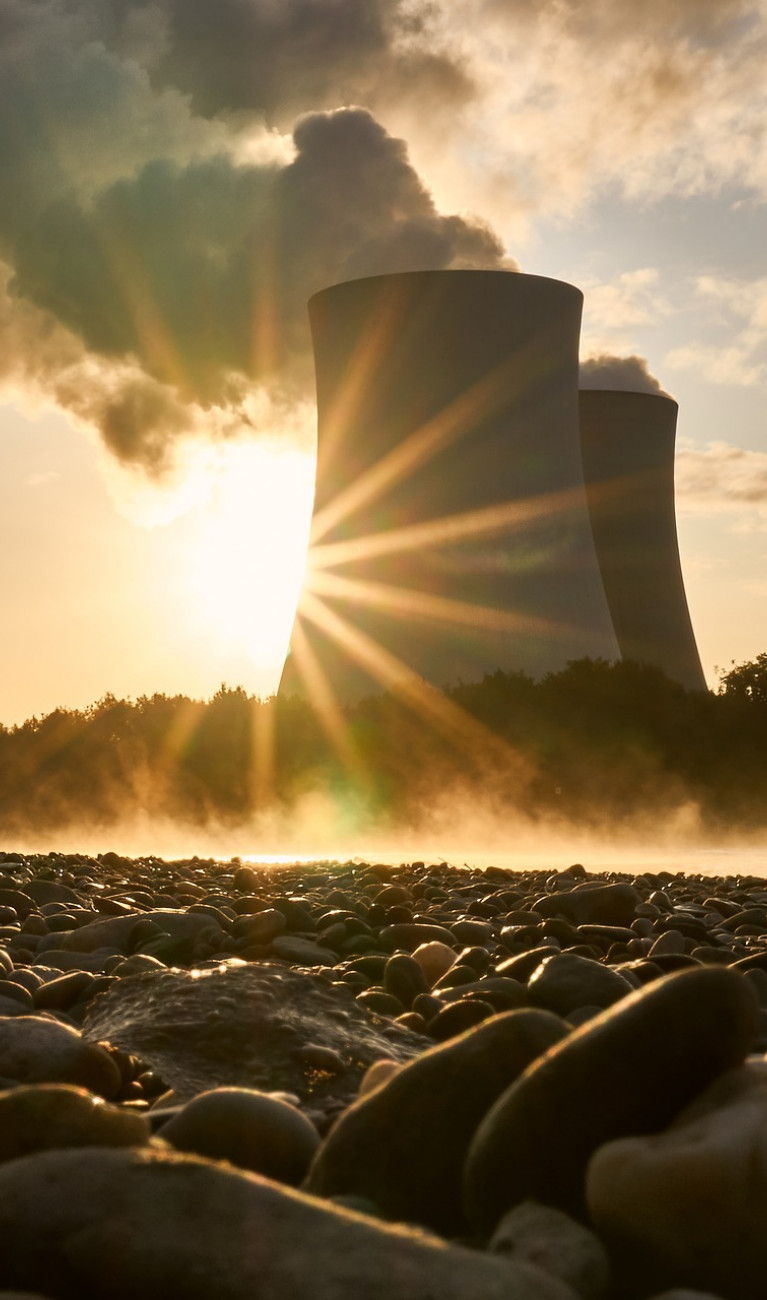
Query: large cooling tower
{"points": [[451, 532], [627, 443]]}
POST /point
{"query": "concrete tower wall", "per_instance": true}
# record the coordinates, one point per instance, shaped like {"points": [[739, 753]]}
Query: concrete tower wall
{"points": [[627, 442], [448, 419]]}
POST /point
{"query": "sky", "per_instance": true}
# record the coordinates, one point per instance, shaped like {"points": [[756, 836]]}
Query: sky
{"points": [[180, 175]]}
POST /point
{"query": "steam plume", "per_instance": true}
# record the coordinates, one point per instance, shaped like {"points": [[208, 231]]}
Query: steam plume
{"points": [[619, 374], [156, 273]]}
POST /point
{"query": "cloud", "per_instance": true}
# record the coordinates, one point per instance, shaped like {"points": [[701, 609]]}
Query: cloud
{"points": [[616, 311], [580, 95], [183, 174], [201, 273], [721, 478], [159, 263], [282, 59], [620, 374], [740, 307]]}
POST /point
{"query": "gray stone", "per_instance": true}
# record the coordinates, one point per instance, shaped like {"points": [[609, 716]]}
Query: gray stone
{"points": [[629, 1071], [542, 1235], [250, 1129], [46, 1115], [292, 947], [592, 904], [565, 982], [245, 1025], [688, 1206], [679, 1293], [403, 1144], [119, 1224], [35, 1049]]}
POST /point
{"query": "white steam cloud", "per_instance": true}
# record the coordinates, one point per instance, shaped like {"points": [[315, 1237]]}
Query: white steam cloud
{"points": [[619, 374]]}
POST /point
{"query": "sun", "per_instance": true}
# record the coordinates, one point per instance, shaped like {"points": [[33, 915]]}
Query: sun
{"points": [[247, 557]]}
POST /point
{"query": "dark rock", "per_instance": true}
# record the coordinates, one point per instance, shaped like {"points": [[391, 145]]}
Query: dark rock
{"points": [[121, 1224], [245, 1026], [404, 979], [42, 1116], [250, 1129], [411, 935], [384, 1004], [502, 993], [10, 989], [59, 994], [304, 952], [428, 1112], [564, 982], [34, 1049], [261, 927], [592, 904], [458, 1017], [521, 967]]}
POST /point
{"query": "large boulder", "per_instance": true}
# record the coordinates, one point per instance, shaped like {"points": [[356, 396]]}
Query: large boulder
{"points": [[248, 1025], [118, 1224]]}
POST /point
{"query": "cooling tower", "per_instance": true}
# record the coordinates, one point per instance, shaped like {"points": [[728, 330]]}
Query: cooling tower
{"points": [[627, 442], [451, 532]]}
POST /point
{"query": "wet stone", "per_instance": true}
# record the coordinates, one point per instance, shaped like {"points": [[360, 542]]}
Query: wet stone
{"points": [[245, 1025]]}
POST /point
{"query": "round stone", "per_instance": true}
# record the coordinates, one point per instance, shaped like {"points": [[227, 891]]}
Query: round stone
{"points": [[34, 1049], [41, 1116], [542, 1235], [564, 982], [121, 1224], [687, 1206], [629, 1071], [403, 1144], [248, 1128], [434, 958]]}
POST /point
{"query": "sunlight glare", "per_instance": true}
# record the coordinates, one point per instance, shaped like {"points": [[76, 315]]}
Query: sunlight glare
{"points": [[249, 551]]}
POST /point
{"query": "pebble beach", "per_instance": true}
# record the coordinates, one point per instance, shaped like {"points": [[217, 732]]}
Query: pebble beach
{"points": [[414, 1082]]}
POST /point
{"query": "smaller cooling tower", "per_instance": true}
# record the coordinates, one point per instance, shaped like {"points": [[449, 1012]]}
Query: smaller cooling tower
{"points": [[627, 444]]}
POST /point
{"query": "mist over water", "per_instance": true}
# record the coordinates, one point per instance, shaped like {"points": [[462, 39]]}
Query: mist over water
{"points": [[317, 829]]}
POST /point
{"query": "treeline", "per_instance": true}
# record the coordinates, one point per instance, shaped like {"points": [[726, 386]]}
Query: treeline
{"points": [[596, 743]]}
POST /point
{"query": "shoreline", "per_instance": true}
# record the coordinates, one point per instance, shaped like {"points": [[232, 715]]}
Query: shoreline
{"points": [[355, 1054]]}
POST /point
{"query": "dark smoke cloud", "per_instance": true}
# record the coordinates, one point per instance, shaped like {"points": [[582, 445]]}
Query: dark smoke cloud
{"points": [[283, 58], [619, 374], [154, 274], [201, 273]]}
